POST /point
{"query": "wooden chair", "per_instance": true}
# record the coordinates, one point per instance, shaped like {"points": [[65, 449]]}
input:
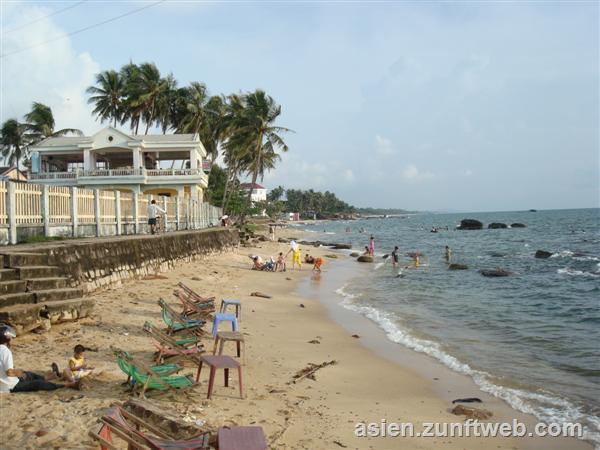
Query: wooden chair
{"points": [[169, 346], [139, 434], [193, 296], [177, 322], [203, 310]]}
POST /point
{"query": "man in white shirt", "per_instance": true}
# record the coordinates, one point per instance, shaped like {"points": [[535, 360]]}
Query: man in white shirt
{"points": [[17, 380], [153, 211]]}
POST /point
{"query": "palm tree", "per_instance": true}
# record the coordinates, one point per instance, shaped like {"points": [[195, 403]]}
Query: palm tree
{"points": [[253, 129], [166, 104], [14, 141], [150, 87], [129, 73], [108, 96], [40, 123]]}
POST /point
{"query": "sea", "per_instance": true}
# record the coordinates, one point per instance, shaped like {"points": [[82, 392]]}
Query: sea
{"points": [[531, 339]]}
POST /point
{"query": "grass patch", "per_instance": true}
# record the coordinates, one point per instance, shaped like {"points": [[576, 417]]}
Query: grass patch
{"points": [[36, 239]]}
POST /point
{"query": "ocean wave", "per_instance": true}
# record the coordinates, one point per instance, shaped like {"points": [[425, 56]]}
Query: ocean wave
{"points": [[379, 265], [586, 258], [577, 273], [545, 406], [563, 254]]}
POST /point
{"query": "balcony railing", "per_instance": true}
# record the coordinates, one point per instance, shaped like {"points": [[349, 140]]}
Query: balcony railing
{"points": [[116, 173]]}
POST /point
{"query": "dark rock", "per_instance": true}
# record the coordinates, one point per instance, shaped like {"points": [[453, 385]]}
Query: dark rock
{"points": [[386, 256], [342, 246], [283, 240], [355, 336], [494, 273], [518, 225], [497, 255], [262, 238], [470, 224], [496, 225], [471, 413], [455, 266], [413, 254], [543, 254], [355, 254], [365, 258], [467, 400]]}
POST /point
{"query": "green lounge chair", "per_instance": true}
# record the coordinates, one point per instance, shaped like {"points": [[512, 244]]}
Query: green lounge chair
{"points": [[169, 346], [177, 322]]}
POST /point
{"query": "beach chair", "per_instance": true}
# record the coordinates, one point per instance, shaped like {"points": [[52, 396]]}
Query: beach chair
{"points": [[169, 346], [160, 369], [139, 434], [177, 322], [203, 310], [193, 296], [145, 378]]}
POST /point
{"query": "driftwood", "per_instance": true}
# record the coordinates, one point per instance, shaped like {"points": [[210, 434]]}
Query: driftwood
{"points": [[310, 370], [260, 294], [471, 413], [467, 400]]}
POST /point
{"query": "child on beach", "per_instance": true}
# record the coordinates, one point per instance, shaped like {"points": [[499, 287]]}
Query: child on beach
{"points": [[297, 258], [372, 246], [280, 263], [318, 264], [77, 367]]}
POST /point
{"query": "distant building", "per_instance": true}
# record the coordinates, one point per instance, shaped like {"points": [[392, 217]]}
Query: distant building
{"points": [[112, 159], [259, 193], [12, 174]]}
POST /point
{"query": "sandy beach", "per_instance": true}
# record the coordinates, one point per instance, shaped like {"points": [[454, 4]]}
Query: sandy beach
{"points": [[370, 382]]}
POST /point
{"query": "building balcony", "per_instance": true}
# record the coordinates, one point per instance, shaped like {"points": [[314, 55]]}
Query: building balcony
{"points": [[121, 177]]}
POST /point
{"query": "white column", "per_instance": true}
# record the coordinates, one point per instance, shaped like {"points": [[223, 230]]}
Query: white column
{"points": [[194, 192], [193, 159], [11, 211], [118, 212], [178, 212], [136, 206], [87, 159], [137, 158], [46, 209], [165, 207], [74, 221], [97, 212]]}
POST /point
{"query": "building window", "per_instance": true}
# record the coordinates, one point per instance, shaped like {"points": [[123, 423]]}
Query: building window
{"points": [[74, 166]]}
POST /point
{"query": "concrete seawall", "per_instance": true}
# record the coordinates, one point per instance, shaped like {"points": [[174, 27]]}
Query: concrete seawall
{"points": [[98, 263]]}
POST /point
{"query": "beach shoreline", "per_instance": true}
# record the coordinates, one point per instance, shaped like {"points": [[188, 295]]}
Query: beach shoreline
{"points": [[283, 335]]}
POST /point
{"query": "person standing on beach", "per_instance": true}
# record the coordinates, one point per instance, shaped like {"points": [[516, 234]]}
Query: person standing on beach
{"points": [[272, 232], [372, 246], [153, 212], [395, 256]]}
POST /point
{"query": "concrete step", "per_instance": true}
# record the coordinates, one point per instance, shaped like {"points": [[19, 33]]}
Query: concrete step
{"points": [[31, 272], [8, 274], [31, 316], [25, 259], [44, 284], [15, 299], [52, 295], [12, 286]]}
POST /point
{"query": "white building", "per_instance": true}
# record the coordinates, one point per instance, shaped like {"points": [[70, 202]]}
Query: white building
{"points": [[159, 164], [259, 193]]}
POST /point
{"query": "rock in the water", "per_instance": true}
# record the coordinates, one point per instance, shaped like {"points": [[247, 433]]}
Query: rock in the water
{"points": [[413, 254], [365, 258], [386, 256], [518, 225], [497, 255], [470, 224], [342, 246], [355, 254], [495, 273], [455, 266], [543, 254], [331, 256], [496, 225], [471, 413]]}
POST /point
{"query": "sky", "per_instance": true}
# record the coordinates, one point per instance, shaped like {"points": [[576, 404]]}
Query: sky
{"points": [[462, 106]]}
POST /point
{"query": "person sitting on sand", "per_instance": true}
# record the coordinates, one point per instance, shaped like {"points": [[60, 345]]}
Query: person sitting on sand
{"points": [[258, 263], [318, 264], [17, 380], [309, 259], [280, 263], [77, 367]]}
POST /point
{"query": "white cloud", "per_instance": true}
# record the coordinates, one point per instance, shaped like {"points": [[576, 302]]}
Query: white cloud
{"points": [[348, 175], [412, 174], [383, 146], [53, 74]]}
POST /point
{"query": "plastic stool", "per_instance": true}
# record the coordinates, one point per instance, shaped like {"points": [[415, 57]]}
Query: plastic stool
{"points": [[238, 307], [223, 317]]}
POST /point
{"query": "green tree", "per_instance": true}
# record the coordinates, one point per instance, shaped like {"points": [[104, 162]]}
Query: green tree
{"points": [[14, 141], [216, 185], [108, 96], [276, 194], [40, 123]]}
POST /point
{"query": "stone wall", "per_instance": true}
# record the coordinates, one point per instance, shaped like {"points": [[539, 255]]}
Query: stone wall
{"points": [[96, 263]]}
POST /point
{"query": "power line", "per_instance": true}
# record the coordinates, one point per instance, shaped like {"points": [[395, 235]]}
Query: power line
{"points": [[81, 30], [11, 30]]}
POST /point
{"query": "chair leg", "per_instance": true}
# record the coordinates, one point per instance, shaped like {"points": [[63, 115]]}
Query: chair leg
{"points": [[221, 347], [234, 325], [214, 352], [211, 380], [226, 372], [241, 384], [198, 373], [237, 345]]}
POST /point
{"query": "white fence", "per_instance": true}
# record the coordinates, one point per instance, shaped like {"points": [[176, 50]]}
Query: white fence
{"points": [[39, 210]]}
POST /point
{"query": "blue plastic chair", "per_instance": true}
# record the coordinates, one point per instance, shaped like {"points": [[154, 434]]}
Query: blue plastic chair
{"points": [[223, 317], [238, 307]]}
